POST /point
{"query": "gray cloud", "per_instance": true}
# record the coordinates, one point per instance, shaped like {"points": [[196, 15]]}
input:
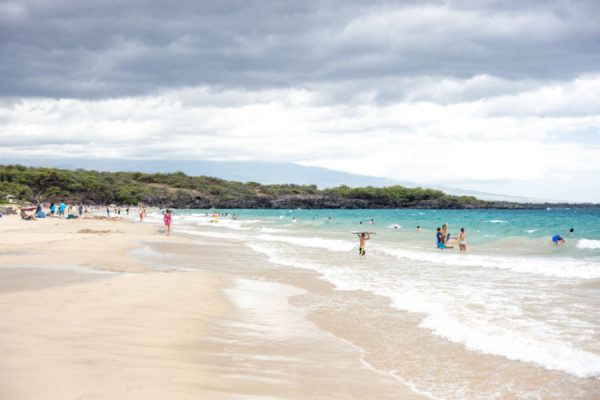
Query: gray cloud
{"points": [[97, 49]]}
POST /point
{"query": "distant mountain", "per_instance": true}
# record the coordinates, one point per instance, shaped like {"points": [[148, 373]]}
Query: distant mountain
{"points": [[489, 196], [242, 171]]}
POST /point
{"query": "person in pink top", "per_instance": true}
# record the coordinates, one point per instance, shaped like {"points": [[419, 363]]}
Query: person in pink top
{"points": [[167, 219]]}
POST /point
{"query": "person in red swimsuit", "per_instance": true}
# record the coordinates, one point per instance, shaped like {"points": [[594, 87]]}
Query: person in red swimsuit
{"points": [[167, 219]]}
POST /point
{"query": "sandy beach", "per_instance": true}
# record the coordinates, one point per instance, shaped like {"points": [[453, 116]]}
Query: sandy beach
{"points": [[97, 309]]}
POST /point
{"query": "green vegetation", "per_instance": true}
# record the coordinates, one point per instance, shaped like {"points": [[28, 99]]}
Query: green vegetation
{"points": [[180, 190]]}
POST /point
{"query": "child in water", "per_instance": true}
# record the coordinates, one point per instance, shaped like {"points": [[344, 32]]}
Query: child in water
{"points": [[462, 240], [361, 245]]}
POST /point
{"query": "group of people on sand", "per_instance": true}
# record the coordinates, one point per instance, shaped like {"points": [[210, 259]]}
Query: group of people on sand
{"points": [[62, 210], [116, 211]]}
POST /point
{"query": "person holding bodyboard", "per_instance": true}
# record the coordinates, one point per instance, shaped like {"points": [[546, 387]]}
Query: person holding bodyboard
{"points": [[362, 238]]}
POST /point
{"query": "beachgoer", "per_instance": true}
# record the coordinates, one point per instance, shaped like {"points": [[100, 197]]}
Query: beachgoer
{"points": [[61, 209], [80, 209], [361, 244], [127, 211], [142, 213], [439, 235], [372, 221], [571, 230], [52, 208], [26, 216], [167, 219], [38, 209], [558, 240], [445, 233], [462, 240], [418, 228], [107, 212]]}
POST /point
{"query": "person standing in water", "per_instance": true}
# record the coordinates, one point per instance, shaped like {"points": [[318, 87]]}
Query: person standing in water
{"points": [[462, 240], [142, 213], [445, 234], [439, 239], [361, 244], [167, 219]]}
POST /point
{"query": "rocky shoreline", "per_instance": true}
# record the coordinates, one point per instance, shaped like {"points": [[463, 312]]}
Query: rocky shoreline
{"points": [[192, 199]]}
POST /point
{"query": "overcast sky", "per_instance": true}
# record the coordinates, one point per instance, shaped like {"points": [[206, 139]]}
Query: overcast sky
{"points": [[501, 96]]}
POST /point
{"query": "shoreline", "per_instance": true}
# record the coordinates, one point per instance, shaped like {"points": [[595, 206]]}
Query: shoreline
{"points": [[147, 327], [425, 347]]}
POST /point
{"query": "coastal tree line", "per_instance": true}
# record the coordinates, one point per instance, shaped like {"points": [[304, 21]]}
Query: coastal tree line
{"points": [[35, 185]]}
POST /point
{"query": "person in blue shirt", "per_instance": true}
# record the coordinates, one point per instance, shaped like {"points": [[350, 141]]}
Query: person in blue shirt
{"points": [[558, 240], [439, 238], [61, 209], [52, 208]]}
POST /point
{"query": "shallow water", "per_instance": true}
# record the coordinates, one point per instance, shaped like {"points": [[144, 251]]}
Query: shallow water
{"points": [[514, 317]]}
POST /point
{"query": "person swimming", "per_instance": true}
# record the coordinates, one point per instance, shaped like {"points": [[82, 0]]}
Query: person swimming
{"points": [[558, 240], [361, 244]]}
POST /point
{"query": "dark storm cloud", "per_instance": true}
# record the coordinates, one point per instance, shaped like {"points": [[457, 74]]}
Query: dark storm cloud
{"points": [[91, 49]]}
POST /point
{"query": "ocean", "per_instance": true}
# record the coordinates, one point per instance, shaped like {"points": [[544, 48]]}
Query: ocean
{"points": [[513, 317]]}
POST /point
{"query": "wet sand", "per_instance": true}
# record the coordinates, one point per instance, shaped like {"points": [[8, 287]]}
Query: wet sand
{"points": [[160, 318]]}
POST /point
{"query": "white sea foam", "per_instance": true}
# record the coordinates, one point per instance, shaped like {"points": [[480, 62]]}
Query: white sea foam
{"points": [[492, 338], [218, 235], [497, 221], [315, 242], [271, 230], [588, 244], [445, 316], [531, 230], [332, 274], [560, 268]]}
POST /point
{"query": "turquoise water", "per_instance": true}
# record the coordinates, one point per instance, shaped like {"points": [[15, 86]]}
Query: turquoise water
{"points": [[518, 231]]}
